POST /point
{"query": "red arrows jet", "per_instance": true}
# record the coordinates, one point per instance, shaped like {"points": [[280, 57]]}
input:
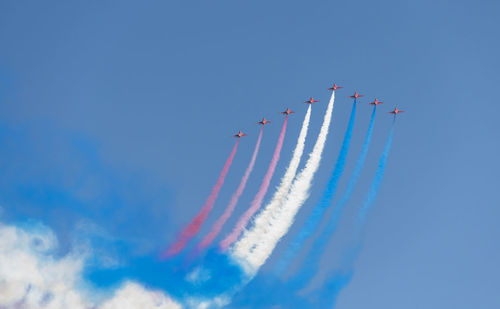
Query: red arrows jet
{"points": [[287, 112], [395, 111], [376, 102], [311, 101], [335, 87], [263, 121], [240, 134], [356, 95]]}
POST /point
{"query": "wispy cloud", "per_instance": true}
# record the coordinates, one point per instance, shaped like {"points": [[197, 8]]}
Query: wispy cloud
{"points": [[32, 275]]}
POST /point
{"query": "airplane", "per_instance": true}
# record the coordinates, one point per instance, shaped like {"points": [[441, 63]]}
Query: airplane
{"points": [[335, 87], [263, 121], [287, 112], [376, 102], [240, 134], [395, 111], [356, 95], [311, 101]]}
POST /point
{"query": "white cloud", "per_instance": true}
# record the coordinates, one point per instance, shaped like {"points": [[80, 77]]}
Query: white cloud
{"points": [[132, 296], [31, 276]]}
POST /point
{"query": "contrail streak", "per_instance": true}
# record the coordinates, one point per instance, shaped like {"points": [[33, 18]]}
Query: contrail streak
{"points": [[262, 222], [207, 240], [257, 201], [325, 201], [284, 217], [310, 267], [195, 224]]}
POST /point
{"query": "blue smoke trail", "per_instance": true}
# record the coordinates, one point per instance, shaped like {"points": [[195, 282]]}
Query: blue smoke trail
{"points": [[377, 180], [211, 277], [311, 264], [336, 283], [332, 288], [267, 291], [325, 201]]}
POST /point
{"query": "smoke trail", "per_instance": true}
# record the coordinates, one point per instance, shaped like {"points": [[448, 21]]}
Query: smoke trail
{"points": [[206, 284], [195, 224], [310, 268], [331, 288], [377, 180], [207, 240], [334, 285], [319, 209], [261, 223], [298, 194], [257, 201]]}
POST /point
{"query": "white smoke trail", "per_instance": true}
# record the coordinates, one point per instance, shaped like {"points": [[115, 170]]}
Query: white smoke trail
{"points": [[284, 215], [262, 220]]}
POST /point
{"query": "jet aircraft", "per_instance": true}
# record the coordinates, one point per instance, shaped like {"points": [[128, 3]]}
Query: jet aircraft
{"points": [[396, 111], [356, 95], [311, 101], [335, 87], [376, 102], [240, 134], [263, 121], [287, 112]]}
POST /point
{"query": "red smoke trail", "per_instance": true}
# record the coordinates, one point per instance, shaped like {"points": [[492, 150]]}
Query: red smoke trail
{"points": [[195, 224], [257, 201], [232, 203]]}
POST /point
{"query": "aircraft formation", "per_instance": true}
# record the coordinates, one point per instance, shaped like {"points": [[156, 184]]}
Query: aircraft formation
{"points": [[311, 100], [237, 256]]}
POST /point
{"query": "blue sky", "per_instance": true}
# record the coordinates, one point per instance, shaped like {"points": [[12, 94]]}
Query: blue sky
{"points": [[120, 116]]}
